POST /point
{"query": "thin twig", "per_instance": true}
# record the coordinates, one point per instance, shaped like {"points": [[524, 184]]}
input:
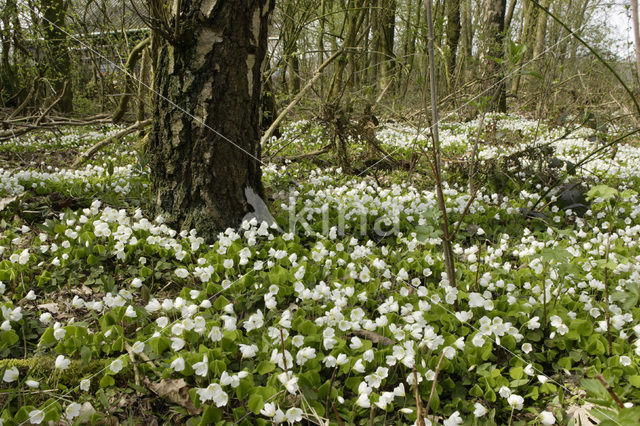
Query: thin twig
{"points": [[446, 242], [97, 147], [136, 374], [609, 389], [284, 357], [416, 392], [464, 213], [606, 293], [433, 386], [335, 412], [142, 355], [326, 404], [54, 103], [32, 92], [298, 97]]}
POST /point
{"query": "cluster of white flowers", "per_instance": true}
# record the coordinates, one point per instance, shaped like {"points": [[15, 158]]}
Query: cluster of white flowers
{"points": [[319, 302]]}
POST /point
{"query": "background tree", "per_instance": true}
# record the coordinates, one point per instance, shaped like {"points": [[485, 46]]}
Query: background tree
{"points": [[204, 144], [54, 13], [453, 37], [636, 34], [493, 54]]}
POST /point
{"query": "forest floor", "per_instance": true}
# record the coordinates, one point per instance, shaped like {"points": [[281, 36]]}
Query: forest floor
{"points": [[338, 311]]}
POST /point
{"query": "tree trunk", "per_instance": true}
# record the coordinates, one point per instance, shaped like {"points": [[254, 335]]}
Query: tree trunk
{"points": [[320, 40], [509, 17], [8, 82], [467, 40], [527, 36], [54, 13], [453, 37], [354, 18], [492, 52], [387, 29], [143, 89], [636, 34], [538, 49], [204, 142], [290, 35], [375, 17]]}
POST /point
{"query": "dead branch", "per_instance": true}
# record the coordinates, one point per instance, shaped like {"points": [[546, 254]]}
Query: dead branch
{"points": [[20, 127], [54, 103], [32, 91], [298, 97], [97, 147], [129, 70], [311, 154]]}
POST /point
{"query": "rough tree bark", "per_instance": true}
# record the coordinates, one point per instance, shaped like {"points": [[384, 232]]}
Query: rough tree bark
{"points": [[290, 34], [539, 47], [527, 36], [453, 37], [492, 53], [466, 63], [636, 34], [54, 13], [204, 142], [387, 30]]}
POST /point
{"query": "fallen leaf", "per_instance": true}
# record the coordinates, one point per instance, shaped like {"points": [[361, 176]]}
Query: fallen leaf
{"points": [[176, 391], [51, 307], [4, 202], [581, 414], [85, 290], [374, 337]]}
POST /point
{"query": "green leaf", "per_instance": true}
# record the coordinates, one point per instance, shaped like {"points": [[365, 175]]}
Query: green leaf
{"points": [[595, 345], [532, 74], [476, 391], [217, 367], [516, 373], [594, 387], [628, 193], [145, 272], [118, 345], [220, 303], [581, 326], [210, 415], [278, 275], [159, 344], [308, 328], [508, 342], [107, 381], [255, 403], [265, 367], [490, 395], [557, 254], [565, 362], [533, 394], [9, 337], [603, 191], [85, 354]]}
